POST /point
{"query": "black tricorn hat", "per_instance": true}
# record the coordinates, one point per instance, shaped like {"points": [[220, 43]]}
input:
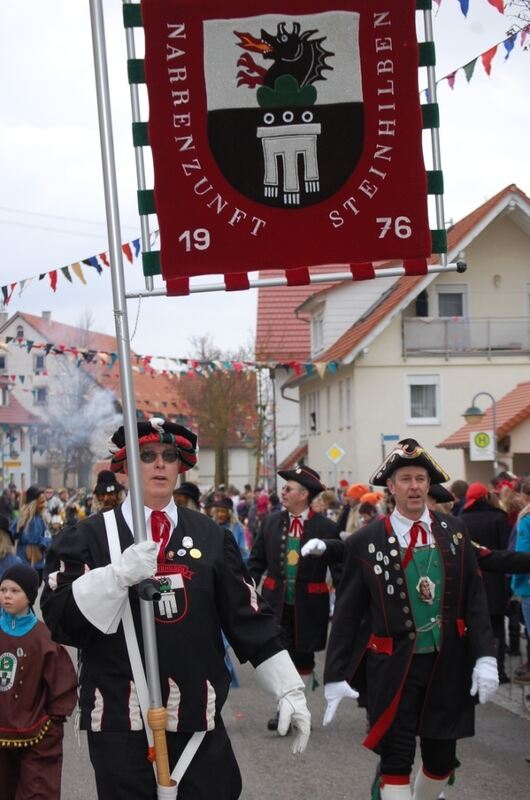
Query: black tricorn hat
{"points": [[106, 483], [440, 493], [408, 453], [156, 429], [304, 475], [189, 489]]}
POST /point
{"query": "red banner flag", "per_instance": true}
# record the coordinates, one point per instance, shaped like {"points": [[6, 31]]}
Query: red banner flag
{"points": [[284, 134]]}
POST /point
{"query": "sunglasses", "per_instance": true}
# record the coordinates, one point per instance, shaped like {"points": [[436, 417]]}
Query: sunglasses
{"points": [[150, 456]]}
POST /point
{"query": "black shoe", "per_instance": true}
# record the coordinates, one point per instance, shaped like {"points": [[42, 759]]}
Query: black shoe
{"points": [[503, 678]]}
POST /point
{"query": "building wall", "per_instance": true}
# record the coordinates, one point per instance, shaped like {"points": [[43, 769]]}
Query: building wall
{"points": [[241, 466], [287, 416]]}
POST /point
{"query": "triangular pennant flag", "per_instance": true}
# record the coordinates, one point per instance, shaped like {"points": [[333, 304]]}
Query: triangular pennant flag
{"points": [[126, 248], [113, 358], [136, 245], [29, 345], [103, 257], [332, 366], [42, 276], [320, 367], [93, 262], [451, 79], [498, 4], [76, 269], [464, 5], [22, 285], [47, 348], [22, 378], [524, 33], [66, 273], [488, 57], [53, 279], [469, 68], [509, 44]]}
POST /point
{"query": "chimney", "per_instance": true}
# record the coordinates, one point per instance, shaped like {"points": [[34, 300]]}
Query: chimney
{"points": [[3, 318], [47, 317]]}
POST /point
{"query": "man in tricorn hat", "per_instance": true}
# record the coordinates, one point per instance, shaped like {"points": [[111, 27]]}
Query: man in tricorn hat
{"points": [[204, 587], [411, 631], [108, 492], [292, 551]]}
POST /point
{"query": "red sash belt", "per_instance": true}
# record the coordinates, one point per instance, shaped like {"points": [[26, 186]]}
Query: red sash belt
{"points": [[381, 644], [270, 583], [317, 588]]}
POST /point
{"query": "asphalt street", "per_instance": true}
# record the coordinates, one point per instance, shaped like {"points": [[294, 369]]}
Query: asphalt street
{"points": [[335, 765]]}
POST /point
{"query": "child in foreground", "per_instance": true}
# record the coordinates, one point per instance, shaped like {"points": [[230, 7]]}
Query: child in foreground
{"points": [[38, 689]]}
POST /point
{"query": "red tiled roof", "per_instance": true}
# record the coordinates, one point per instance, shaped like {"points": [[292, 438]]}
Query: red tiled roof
{"points": [[354, 335], [15, 414], [154, 393], [294, 457], [60, 333], [510, 411], [280, 335]]}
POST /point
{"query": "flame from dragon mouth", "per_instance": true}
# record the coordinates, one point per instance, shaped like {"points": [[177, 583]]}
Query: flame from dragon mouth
{"points": [[249, 42]]}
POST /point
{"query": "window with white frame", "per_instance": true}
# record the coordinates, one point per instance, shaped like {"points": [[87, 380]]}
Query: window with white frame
{"points": [[347, 402], [452, 300], [313, 409], [3, 365], [423, 399], [317, 331], [39, 362], [341, 404], [328, 408], [41, 396]]}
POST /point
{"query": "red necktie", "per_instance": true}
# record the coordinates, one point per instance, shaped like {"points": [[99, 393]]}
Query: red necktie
{"points": [[414, 532], [160, 529], [297, 527]]}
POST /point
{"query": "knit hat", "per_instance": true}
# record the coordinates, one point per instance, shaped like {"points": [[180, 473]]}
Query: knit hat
{"points": [[371, 497], [408, 453], [32, 493], [356, 491], [106, 483], [225, 502], [475, 491], [189, 489], [156, 429], [26, 577]]}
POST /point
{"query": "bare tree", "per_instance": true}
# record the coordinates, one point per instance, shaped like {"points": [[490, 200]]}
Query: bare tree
{"points": [[222, 400], [519, 11]]}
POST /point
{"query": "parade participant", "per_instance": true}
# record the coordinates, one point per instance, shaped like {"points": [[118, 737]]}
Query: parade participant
{"points": [[349, 519], [411, 631], [188, 495], [8, 558], [108, 492], [39, 690], [204, 587], [296, 588], [31, 534]]}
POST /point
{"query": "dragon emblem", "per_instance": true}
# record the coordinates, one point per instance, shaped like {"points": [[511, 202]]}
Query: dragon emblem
{"points": [[293, 53]]}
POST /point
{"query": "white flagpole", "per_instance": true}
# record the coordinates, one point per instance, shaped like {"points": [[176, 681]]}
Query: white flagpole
{"points": [[127, 387]]}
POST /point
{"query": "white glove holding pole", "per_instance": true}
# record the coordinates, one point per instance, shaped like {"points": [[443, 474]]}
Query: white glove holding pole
{"points": [[279, 676], [101, 594], [314, 547], [334, 694], [485, 678]]}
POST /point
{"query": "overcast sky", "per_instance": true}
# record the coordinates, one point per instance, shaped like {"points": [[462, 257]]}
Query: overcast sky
{"points": [[51, 197]]}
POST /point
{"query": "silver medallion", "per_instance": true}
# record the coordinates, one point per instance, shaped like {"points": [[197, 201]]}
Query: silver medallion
{"points": [[377, 569], [393, 553], [444, 524], [371, 548], [387, 575], [426, 589], [379, 556], [386, 560], [181, 552], [390, 589], [187, 542], [392, 540]]}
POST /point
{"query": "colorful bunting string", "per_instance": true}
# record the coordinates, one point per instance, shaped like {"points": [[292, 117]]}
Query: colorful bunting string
{"points": [[174, 367], [130, 250], [486, 58]]}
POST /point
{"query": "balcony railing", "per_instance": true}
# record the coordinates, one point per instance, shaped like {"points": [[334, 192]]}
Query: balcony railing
{"points": [[459, 336]]}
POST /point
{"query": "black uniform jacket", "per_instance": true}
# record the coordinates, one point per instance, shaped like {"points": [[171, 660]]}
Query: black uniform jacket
{"points": [[214, 591], [311, 605], [373, 634], [504, 561], [488, 526]]}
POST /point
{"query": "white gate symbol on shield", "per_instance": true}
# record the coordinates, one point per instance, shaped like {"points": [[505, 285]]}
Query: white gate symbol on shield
{"points": [[288, 142]]}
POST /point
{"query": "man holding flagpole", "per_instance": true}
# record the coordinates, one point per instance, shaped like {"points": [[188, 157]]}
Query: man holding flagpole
{"points": [[202, 588]]}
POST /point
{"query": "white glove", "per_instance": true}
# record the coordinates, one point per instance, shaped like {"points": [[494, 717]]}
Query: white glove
{"points": [[101, 594], [314, 547], [279, 676], [334, 693], [485, 678], [137, 562]]}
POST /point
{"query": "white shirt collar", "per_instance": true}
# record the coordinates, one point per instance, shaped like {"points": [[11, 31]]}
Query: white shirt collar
{"points": [[304, 515], [170, 510], [401, 525]]}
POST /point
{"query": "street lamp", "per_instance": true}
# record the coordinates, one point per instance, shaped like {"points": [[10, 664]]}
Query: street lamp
{"points": [[473, 415]]}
